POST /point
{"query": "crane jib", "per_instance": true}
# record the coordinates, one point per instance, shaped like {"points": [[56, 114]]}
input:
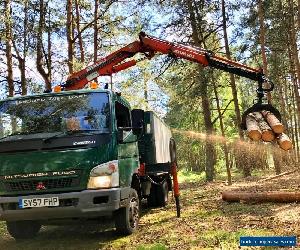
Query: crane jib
{"points": [[149, 45], [91, 71], [256, 76]]}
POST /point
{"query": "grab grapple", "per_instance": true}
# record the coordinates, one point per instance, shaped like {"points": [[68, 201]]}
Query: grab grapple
{"points": [[260, 106]]}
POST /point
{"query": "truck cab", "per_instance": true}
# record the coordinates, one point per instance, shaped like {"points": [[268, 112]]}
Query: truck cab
{"points": [[67, 155]]}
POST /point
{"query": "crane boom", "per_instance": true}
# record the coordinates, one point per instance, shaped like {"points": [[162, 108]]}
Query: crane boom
{"points": [[149, 46]]}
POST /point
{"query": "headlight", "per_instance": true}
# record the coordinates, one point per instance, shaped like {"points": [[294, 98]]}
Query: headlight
{"points": [[105, 175]]}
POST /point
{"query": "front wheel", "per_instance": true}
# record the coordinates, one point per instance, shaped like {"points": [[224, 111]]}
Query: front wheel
{"points": [[23, 229], [127, 218]]}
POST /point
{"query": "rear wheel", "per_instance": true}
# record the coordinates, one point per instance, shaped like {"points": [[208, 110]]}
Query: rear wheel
{"points": [[127, 218], [159, 195], [151, 199], [23, 229], [162, 194]]}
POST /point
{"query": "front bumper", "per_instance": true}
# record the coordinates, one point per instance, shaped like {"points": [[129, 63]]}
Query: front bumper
{"points": [[84, 204]]}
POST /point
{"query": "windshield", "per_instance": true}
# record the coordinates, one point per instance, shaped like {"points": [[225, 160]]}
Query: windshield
{"points": [[52, 114]]}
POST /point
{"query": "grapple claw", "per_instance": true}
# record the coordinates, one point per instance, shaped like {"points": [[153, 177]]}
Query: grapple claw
{"points": [[257, 108]]}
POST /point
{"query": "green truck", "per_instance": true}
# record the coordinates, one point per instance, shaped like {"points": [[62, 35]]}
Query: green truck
{"points": [[80, 155]]}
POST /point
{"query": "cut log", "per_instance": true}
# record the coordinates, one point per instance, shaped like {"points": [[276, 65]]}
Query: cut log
{"points": [[284, 142], [274, 123], [234, 196], [253, 130], [266, 132]]}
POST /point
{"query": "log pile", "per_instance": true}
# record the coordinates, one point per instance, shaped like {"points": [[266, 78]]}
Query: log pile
{"points": [[265, 126]]}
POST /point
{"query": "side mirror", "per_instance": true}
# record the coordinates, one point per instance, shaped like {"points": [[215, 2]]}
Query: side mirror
{"points": [[137, 117]]}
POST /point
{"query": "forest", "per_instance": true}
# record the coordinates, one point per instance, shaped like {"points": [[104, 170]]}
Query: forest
{"points": [[42, 42]]}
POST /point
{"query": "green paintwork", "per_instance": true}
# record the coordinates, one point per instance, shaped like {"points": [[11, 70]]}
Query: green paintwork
{"points": [[128, 159], [79, 159], [48, 161], [128, 154]]}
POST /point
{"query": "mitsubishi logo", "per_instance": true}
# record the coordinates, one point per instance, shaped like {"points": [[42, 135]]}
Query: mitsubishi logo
{"points": [[40, 186]]}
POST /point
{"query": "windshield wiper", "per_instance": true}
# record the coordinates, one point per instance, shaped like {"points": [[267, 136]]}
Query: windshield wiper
{"points": [[69, 132], [13, 134]]}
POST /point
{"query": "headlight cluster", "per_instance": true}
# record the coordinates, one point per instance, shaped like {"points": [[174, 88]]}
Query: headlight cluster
{"points": [[105, 175]]}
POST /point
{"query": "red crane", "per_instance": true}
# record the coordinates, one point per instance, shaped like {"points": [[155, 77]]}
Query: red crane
{"points": [[149, 46]]}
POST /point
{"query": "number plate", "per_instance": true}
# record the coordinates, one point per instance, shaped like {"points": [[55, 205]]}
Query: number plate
{"points": [[39, 202]]}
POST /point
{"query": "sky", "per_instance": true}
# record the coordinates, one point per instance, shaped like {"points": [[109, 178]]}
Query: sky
{"points": [[156, 20]]}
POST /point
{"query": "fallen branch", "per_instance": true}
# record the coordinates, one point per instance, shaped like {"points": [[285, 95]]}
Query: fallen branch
{"points": [[278, 176]]}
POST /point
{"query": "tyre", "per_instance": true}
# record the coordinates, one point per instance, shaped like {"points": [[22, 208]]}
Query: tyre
{"points": [[23, 229], [127, 218], [151, 199], [162, 194]]}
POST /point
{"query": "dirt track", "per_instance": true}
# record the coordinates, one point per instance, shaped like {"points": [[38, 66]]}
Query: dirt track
{"points": [[206, 222]]}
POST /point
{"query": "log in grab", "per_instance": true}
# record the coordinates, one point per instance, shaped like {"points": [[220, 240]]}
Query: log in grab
{"points": [[262, 122], [264, 125]]}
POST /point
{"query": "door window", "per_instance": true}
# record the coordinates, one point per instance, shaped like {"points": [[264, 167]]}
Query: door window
{"points": [[122, 116]]}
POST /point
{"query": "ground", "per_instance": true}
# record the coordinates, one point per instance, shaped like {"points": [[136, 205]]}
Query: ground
{"points": [[207, 222]]}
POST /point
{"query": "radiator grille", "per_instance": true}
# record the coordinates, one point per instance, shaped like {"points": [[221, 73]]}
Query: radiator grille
{"points": [[45, 184]]}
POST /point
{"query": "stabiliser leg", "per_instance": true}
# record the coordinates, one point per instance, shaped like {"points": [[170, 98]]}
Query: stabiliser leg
{"points": [[176, 188]]}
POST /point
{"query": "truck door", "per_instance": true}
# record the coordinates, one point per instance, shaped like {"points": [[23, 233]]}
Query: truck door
{"points": [[127, 147]]}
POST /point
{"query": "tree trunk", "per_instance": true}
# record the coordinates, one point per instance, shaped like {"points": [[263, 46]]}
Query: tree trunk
{"points": [[49, 50], [22, 58], [95, 31], [69, 28], [297, 128], [224, 146], [293, 41], [262, 38], [22, 62], [239, 161], [22, 68], [294, 132], [238, 119], [40, 49], [294, 62], [298, 19], [80, 42], [210, 150], [8, 44]]}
